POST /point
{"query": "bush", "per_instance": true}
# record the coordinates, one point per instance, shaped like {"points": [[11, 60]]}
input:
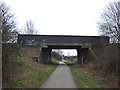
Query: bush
{"points": [[108, 63], [10, 52], [56, 55]]}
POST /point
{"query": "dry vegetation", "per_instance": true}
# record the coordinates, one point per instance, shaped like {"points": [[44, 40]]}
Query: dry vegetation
{"points": [[103, 69], [9, 55], [106, 64], [86, 79]]}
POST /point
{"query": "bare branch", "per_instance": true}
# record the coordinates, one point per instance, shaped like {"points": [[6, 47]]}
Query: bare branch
{"points": [[9, 29], [110, 25], [30, 28]]}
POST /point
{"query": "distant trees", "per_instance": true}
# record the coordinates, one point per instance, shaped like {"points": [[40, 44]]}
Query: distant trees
{"points": [[58, 54], [30, 28], [8, 24], [110, 24]]}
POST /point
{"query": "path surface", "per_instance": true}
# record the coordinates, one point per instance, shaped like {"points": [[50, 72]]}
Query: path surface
{"points": [[60, 78]]}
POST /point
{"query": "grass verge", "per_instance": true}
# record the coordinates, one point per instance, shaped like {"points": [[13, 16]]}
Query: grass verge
{"points": [[55, 62], [68, 62], [84, 79], [30, 77]]}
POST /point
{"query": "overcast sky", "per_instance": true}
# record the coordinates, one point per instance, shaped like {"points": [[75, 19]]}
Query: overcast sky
{"points": [[59, 17]]}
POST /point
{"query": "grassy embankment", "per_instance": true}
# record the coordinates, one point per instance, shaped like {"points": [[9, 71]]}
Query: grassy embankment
{"points": [[20, 70], [82, 76], [84, 79], [106, 64], [104, 68]]}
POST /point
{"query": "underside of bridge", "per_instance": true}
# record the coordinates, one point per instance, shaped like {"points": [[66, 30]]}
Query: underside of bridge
{"points": [[45, 52]]}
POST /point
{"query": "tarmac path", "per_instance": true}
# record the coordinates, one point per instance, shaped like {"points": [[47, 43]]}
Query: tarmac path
{"points": [[60, 78]]}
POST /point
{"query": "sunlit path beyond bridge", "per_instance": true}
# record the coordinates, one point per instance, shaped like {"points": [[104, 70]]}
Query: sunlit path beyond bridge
{"points": [[60, 78]]}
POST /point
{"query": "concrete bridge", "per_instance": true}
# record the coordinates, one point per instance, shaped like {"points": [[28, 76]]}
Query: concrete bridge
{"points": [[83, 45]]}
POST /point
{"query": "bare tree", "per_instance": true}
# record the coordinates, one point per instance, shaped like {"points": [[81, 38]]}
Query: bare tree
{"points": [[30, 28], [8, 25], [110, 24], [60, 52]]}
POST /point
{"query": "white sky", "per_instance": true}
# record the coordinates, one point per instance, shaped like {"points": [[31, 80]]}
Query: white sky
{"points": [[59, 17]]}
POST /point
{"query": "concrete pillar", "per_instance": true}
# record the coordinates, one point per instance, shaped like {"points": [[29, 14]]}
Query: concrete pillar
{"points": [[48, 56], [41, 60], [40, 55], [79, 56], [45, 56], [82, 55]]}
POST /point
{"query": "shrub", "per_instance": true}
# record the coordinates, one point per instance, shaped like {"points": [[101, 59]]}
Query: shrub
{"points": [[10, 52]]}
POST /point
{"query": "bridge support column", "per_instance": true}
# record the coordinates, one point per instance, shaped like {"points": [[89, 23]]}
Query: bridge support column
{"points": [[82, 55], [78, 56], [45, 56], [48, 56]]}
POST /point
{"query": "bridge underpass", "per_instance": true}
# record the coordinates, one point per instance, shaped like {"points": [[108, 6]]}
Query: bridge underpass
{"points": [[82, 52]]}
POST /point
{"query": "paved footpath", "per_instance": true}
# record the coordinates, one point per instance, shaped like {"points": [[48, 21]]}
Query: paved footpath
{"points": [[60, 78]]}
